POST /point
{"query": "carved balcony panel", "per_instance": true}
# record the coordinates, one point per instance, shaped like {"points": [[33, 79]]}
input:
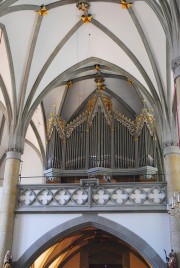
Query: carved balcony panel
{"points": [[92, 197]]}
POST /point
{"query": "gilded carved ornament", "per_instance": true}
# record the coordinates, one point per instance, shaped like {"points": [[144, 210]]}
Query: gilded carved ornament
{"points": [[105, 103], [144, 117], [86, 18], [55, 121], [74, 124], [43, 11], [125, 5], [127, 122], [83, 6], [100, 100]]}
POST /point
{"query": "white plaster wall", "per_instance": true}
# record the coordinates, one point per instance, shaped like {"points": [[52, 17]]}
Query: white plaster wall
{"points": [[152, 227], [30, 227], [32, 167]]}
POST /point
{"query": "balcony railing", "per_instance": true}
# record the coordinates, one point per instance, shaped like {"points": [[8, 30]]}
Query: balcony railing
{"points": [[89, 195]]}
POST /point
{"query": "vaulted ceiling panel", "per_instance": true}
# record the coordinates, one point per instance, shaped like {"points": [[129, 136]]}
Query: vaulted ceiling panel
{"points": [[155, 36], [125, 30], [54, 27], [39, 124], [20, 37], [37, 2], [86, 44], [75, 96], [55, 97], [126, 92], [129, 43], [30, 136]]}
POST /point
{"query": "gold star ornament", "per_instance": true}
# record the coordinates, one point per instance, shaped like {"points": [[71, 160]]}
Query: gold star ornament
{"points": [[69, 84], [86, 18], [43, 11], [125, 5]]}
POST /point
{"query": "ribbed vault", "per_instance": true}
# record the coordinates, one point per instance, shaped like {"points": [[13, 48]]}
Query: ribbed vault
{"points": [[40, 55]]}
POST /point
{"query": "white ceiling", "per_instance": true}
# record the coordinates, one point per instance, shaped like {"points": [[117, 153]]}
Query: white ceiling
{"points": [[41, 54]]}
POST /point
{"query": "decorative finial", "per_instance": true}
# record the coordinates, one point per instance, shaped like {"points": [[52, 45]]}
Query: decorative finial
{"points": [[55, 121], [99, 79], [8, 259], [43, 11], [125, 5], [100, 82], [97, 67], [145, 117]]}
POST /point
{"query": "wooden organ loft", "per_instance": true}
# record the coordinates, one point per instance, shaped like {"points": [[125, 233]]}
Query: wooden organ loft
{"points": [[102, 143]]}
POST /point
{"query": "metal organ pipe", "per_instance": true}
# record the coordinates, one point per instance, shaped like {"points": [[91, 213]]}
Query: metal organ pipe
{"points": [[98, 143]]}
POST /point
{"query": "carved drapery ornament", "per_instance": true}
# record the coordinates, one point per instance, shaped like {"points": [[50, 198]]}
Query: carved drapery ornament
{"points": [[171, 259], [175, 63], [7, 260]]}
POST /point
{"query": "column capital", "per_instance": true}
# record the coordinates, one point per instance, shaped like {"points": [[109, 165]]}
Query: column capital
{"points": [[176, 66], [14, 153], [171, 147]]}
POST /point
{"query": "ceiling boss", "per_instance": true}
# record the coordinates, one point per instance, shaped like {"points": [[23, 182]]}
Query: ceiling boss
{"points": [[84, 7]]}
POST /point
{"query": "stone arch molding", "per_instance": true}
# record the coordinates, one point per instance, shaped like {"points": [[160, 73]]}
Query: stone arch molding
{"points": [[89, 220]]}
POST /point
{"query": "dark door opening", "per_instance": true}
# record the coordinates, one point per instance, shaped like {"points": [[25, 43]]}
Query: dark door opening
{"points": [[105, 266]]}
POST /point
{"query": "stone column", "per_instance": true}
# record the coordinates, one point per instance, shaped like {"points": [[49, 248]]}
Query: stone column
{"points": [[172, 168], [9, 195]]}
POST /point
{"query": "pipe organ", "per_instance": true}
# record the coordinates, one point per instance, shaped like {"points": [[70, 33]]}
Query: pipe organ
{"points": [[103, 138]]}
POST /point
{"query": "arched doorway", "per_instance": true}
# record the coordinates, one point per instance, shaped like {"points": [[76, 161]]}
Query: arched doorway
{"points": [[93, 239], [90, 248]]}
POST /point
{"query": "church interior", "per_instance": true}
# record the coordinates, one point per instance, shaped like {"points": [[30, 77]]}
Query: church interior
{"points": [[90, 133]]}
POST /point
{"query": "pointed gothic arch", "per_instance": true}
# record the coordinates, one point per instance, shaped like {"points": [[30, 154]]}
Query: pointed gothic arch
{"points": [[90, 220]]}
